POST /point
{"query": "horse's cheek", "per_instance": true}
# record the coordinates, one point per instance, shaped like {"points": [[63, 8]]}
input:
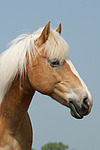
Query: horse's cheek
{"points": [[41, 79]]}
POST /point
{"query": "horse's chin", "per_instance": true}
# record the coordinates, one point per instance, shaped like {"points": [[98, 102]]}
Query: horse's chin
{"points": [[74, 112]]}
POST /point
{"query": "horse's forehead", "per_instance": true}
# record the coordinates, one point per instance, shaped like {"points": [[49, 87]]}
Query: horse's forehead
{"points": [[56, 47]]}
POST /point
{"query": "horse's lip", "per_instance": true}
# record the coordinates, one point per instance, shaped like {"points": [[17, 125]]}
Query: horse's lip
{"points": [[74, 111]]}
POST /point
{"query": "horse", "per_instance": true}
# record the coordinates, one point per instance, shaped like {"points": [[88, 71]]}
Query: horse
{"points": [[37, 62]]}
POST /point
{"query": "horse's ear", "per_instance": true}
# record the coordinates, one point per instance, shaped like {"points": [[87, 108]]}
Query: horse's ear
{"points": [[59, 28], [44, 35]]}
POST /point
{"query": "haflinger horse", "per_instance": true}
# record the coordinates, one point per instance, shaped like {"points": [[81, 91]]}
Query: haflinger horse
{"points": [[37, 62]]}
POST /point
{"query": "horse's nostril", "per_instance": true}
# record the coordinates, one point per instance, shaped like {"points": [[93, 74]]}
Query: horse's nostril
{"points": [[85, 105], [86, 101]]}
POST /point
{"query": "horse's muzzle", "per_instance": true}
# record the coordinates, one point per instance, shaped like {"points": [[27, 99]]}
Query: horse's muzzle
{"points": [[79, 111]]}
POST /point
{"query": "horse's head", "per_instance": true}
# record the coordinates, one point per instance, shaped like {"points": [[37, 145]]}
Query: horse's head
{"points": [[52, 73]]}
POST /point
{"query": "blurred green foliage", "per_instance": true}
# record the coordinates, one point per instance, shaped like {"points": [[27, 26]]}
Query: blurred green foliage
{"points": [[54, 146]]}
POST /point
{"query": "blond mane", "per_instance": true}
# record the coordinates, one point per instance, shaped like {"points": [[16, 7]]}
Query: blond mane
{"points": [[13, 60]]}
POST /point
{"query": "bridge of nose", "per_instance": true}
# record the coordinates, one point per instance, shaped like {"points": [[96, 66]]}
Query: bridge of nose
{"points": [[83, 90]]}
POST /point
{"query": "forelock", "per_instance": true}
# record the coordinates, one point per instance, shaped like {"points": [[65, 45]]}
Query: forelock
{"points": [[56, 46]]}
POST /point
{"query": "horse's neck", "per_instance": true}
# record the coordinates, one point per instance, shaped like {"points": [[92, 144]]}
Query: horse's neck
{"points": [[15, 126], [16, 102]]}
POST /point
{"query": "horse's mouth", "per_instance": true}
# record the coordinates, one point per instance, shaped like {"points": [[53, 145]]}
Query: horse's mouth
{"points": [[74, 111]]}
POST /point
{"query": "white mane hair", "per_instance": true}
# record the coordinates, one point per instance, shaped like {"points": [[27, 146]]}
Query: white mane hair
{"points": [[13, 60]]}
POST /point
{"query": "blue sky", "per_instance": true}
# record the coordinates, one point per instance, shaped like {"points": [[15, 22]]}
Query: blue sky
{"points": [[81, 29]]}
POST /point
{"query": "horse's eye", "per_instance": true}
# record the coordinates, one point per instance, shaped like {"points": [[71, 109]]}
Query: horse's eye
{"points": [[54, 63]]}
